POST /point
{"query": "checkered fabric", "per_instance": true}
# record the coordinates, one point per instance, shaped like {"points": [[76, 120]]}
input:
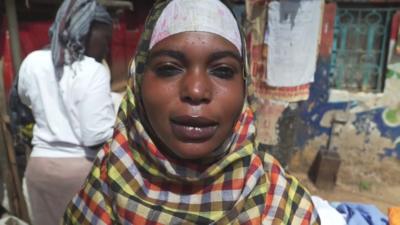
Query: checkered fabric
{"points": [[132, 182]]}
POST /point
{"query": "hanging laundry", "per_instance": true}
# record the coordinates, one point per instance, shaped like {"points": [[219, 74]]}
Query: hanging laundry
{"points": [[292, 37], [394, 30], [256, 16]]}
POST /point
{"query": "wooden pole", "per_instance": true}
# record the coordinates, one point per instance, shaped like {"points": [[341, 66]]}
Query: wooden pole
{"points": [[3, 98], [3, 112], [3, 168], [16, 197], [11, 13]]}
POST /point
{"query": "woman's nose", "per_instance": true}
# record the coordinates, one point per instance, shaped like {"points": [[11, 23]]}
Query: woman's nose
{"points": [[196, 87]]}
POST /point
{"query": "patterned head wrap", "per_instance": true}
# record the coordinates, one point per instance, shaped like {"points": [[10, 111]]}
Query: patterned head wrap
{"points": [[188, 15], [70, 28], [133, 182]]}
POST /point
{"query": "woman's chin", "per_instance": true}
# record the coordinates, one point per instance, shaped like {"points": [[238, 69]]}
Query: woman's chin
{"points": [[192, 151]]}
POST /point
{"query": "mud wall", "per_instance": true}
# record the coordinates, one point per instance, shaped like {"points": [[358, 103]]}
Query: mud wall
{"points": [[369, 137]]}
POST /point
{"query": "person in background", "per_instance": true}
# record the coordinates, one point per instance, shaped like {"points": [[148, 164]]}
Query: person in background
{"points": [[183, 150], [68, 90]]}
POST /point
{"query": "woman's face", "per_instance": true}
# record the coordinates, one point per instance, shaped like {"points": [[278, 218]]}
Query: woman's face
{"points": [[193, 92]]}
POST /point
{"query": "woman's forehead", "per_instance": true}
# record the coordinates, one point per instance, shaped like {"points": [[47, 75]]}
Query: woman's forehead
{"points": [[195, 38], [187, 15], [191, 43]]}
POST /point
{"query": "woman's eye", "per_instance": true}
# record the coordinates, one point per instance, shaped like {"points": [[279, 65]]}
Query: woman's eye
{"points": [[223, 72], [167, 70]]}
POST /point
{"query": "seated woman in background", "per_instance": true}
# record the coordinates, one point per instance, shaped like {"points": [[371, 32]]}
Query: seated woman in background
{"points": [[183, 150]]}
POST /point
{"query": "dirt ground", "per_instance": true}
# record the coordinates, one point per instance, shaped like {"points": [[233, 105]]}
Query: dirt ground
{"points": [[383, 197], [362, 177]]}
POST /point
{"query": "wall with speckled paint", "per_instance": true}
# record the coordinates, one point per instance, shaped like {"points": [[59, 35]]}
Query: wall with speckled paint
{"points": [[369, 139]]}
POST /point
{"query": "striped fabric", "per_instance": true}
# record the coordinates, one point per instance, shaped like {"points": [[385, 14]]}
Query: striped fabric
{"points": [[132, 182], [70, 28]]}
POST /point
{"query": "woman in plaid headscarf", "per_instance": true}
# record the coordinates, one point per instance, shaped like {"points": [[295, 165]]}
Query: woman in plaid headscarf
{"points": [[183, 150]]}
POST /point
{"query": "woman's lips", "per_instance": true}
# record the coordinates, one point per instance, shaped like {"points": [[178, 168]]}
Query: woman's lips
{"points": [[193, 128]]}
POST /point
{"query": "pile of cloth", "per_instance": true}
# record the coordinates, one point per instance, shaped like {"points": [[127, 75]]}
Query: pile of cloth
{"points": [[342, 213]]}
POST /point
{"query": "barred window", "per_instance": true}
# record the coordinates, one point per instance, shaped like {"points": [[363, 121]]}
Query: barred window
{"points": [[360, 45]]}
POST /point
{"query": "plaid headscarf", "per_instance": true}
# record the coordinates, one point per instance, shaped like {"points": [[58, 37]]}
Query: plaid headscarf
{"points": [[133, 182], [70, 28], [188, 15]]}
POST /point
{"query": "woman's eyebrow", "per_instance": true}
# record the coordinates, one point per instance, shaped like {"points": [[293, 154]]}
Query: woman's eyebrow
{"points": [[170, 53], [222, 54]]}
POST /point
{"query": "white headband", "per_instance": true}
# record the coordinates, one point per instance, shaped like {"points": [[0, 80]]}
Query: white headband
{"points": [[197, 15]]}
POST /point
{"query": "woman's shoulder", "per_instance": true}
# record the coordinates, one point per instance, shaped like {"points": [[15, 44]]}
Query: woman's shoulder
{"points": [[90, 61], [89, 69], [38, 56], [269, 162], [287, 194]]}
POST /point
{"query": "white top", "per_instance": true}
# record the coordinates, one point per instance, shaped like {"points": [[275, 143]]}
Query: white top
{"points": [[327, 214], [85, 115]]}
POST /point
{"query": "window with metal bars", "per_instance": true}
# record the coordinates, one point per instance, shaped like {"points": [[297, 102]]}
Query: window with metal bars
{"points": [[360, 46]]}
